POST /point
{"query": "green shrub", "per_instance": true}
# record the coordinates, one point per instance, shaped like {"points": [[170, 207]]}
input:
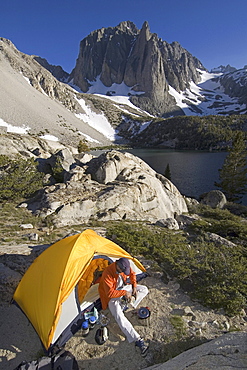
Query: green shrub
{"points": [[18, 178], [215, 275], [58, 170], [219, 276], [83, 146], [179, 325], [223, 223]]}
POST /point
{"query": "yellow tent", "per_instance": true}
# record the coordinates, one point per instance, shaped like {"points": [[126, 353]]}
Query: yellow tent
{"points": [[60, 284]]}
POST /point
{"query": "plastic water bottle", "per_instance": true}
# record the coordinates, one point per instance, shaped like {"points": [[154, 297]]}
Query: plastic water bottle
{"points": [[85, 328], [105, 333], [92, 322]]}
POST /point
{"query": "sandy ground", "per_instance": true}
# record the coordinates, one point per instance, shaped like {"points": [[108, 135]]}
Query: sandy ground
{"points": [[18, 340]]}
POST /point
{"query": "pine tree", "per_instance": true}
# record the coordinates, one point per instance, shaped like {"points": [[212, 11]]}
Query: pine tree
{"points": [[167, 173], [233, 174]]}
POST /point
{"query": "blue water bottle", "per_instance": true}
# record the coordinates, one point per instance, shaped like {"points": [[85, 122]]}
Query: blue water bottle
{"points": [[92, 322], [85, 328]]}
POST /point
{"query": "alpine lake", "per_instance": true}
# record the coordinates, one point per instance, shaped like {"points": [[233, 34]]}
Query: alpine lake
{"points": [[192, 172]]}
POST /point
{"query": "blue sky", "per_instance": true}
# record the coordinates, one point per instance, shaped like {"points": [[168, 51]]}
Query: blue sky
{"points": [[214, 31]]}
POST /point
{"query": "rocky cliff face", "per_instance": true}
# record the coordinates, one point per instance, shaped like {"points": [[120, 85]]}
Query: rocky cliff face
{"points": [[104, 52], [140, 60]]}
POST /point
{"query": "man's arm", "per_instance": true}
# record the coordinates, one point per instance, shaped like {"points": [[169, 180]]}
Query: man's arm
{"points": [[109, 288], [133, 282]]}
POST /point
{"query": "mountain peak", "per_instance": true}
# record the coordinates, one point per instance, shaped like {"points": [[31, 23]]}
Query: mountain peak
{"points": [[223, 69], [57, 71], [128, 26], [139, 60], [145, 25], [146, 30]]}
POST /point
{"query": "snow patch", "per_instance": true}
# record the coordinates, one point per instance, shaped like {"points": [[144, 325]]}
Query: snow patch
{"points": [[178, 97], [49, 137], [25, 78], [207, 97], [118, 93], [97, 87], [126, 111], [206, 76], [14, 129], [89, 138], [124, 100], [144, 125], [98, 121]]}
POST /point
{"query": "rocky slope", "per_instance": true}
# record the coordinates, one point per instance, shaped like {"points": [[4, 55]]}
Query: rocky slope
{"points": [[225, 352], [34, 102], [56, 71]]}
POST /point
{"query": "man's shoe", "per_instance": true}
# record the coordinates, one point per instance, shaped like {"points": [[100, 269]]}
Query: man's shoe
{"points": [[143, 346]]}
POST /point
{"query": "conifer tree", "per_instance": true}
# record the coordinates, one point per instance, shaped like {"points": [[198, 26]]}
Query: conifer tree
{"points": [[233, 174], [167, 173]]}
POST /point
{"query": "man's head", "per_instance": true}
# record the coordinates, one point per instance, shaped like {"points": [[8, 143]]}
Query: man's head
{"points": [[124, 265]]}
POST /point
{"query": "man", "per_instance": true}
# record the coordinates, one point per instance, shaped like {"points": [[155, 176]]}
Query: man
{"points": [[112, 287]]}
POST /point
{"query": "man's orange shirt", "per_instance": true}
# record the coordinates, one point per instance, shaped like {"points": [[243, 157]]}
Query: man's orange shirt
{"points": [[108, 284]]}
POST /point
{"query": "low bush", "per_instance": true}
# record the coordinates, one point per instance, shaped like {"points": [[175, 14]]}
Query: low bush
{"points": [[18, 178], [179, 325], [83, 146], [223, 223], [216, 276]]}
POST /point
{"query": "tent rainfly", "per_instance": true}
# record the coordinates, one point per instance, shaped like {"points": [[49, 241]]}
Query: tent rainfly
{"points": [[61, 284]]}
